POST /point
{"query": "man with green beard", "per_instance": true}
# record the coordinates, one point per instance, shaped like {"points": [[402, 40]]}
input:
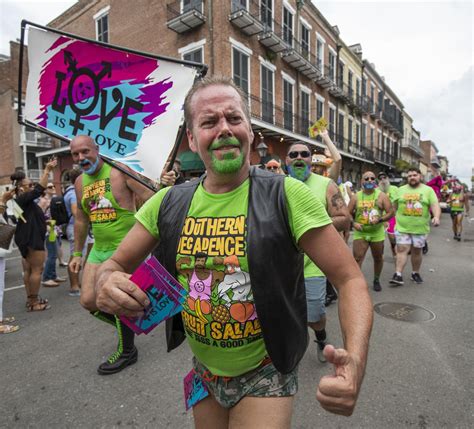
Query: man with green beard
{"points": [[248, 344], [298, 163]]}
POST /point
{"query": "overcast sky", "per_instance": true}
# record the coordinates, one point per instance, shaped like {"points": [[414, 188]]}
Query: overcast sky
{"points": [[423, 48]]}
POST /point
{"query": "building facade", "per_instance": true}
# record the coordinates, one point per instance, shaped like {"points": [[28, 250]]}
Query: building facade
{"points": [[288, 59]]}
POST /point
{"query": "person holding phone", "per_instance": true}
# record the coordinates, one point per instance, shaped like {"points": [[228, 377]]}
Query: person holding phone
{"points": [[30, 233]]}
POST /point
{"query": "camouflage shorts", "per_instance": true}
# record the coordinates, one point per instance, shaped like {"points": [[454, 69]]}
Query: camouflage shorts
{"points": [[264, 381]]}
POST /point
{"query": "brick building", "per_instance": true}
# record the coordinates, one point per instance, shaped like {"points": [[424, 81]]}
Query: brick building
{"points": [[284, 54]]}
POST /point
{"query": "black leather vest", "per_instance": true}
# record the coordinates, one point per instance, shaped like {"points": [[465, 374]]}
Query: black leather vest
{"points": [[275, 265]]}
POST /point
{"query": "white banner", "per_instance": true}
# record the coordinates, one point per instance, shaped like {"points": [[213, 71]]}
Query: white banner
{"points": [[131, 105]]}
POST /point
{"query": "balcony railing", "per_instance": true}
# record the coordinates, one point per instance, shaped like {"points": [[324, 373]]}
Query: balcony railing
{"points": [[35, 139], [274, 115], [301, 59], [273, 36], [413, 147], [35, 174], [184, 16], [384, 157], [247, 18]]}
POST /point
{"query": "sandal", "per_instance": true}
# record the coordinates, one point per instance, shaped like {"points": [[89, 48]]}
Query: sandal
{"points": [[36, 303], [8, 329], [37, 306], [37, 298], [7, 320]]}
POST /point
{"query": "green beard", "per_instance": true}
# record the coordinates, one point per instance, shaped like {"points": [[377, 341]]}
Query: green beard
{"points": [[230, 163]]}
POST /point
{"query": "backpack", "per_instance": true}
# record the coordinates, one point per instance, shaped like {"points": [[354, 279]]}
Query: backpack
{"points": [[58, 210]]}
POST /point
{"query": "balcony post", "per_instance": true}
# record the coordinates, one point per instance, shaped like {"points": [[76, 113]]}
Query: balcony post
{"points": [[25, 160]]}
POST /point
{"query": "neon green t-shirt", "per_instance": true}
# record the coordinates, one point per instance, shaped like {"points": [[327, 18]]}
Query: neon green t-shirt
{"points": [[221, 324], [392, 193], [319, 186], [413, 212]]}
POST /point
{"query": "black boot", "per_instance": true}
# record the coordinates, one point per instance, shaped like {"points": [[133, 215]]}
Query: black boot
{"points": [[126, 354]]}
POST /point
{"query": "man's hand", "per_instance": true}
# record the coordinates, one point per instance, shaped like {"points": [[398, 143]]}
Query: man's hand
{"points": [[51, 165], [357, 226], [435, 221], [168, 178], [120, 296], [338, 393], [75, 264]]}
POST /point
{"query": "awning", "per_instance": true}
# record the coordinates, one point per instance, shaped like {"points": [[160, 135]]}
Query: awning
{"points": [[191, 161]]}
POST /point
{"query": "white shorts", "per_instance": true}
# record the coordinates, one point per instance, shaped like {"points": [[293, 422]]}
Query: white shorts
{"points": [[415, 240]]}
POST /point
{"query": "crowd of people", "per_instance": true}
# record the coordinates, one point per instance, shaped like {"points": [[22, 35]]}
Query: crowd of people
{"points": [[257, 251]]}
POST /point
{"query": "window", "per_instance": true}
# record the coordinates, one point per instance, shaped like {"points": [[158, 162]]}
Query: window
{"points": [[340, 128], [380, 100], [372, 98], [304, 96], [357, 136], [305, 41], [240, 74], [287, 26], [350, 78], [320, 54], [364, 86], [363, 135], [287, 105], [332, 66], [102, 27], [192, 4], [340, 74], [239, 5], [267, 94], [319, 109], [349, 131], [195, 56], [266, 13], [372, 138], [332, 122], [357, 91]]}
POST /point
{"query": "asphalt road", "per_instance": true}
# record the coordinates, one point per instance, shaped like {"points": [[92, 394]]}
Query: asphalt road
{"points": [[418, 374]]}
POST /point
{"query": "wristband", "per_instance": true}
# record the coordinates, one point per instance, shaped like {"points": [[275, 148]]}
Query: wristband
{"points": [[77, 254]]}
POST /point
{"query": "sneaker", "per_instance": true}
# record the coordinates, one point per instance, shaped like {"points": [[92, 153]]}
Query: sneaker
{"points": [[319, 349], [416, 278], [397, 280], [377, 286], [74, 292], [60, 279], [118, 361], [50, 283]]}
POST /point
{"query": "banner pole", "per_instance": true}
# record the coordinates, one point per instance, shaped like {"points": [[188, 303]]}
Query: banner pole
{"points": [[20, 76], [128, 173]]}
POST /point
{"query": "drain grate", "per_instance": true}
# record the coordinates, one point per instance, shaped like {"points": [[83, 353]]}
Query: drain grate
{"points": [[404, 312]]}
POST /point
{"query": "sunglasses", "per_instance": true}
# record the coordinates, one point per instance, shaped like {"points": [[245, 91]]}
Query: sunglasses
{"points": [[272, 168], [294, 154], [369, 178], [50, 186]]}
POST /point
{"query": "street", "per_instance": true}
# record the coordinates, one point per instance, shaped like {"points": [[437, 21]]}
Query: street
{"points": [[418, 374]]}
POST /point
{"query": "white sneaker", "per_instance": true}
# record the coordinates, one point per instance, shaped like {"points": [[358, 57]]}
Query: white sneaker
{"points": [[319, 350]]}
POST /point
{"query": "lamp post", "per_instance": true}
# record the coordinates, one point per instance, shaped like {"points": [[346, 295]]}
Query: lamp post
{"points": [[262, 150]]}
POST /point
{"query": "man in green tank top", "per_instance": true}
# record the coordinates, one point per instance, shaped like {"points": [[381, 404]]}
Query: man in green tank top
{"points": [[370, 209], [106, 201], [298, 161]]}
